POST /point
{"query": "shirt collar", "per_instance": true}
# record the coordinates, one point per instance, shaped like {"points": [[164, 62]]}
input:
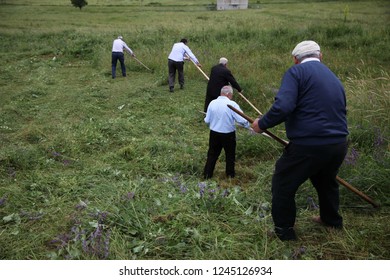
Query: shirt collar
{"points": [[310, 59]]}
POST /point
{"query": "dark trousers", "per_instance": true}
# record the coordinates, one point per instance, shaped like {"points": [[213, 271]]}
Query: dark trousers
{"points": [[217, 141], [174, 66], [114, 59], [208, 100], [298, 163]]}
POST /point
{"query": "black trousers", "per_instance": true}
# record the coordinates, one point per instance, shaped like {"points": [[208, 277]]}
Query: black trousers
{"points": [[114, 59], [217, 142], [298, 163], [174, 66]]}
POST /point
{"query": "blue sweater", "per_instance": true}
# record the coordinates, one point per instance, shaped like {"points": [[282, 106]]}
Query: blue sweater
{"points": [[311, 101]]}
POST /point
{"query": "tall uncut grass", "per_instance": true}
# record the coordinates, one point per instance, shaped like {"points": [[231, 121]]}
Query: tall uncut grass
{"points": [[96, 168]]}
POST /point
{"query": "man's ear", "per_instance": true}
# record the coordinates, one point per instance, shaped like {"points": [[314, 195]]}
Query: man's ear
{"points": [[296, 61]]}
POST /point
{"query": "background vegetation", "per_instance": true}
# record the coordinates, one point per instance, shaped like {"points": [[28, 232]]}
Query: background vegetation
{"points": [[96, 168]]}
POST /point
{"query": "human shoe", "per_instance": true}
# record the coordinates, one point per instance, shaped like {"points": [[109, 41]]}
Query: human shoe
{"points": [[319, 221], [285, 234], [171, 89]]}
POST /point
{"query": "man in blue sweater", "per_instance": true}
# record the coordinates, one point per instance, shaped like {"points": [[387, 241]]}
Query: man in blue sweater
{"points": [[311, 102]]}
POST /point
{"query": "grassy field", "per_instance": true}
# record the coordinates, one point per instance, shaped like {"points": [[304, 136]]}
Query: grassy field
{"points": [[96, 168]]}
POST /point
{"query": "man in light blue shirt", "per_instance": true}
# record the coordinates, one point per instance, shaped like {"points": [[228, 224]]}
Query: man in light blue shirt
{"points": [[221, 121], [176, 63]]}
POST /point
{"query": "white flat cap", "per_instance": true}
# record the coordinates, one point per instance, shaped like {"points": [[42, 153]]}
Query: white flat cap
{"points": [[305, 48]]}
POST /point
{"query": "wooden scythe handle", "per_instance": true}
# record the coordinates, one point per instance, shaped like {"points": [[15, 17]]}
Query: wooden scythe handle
{"points": [[201, 71], [284, 142], [355, 190], [253, 106], [136, 59]]}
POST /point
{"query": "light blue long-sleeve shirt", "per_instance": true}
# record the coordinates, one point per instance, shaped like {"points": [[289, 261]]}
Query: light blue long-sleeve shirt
{"points": [[179, 50], [220, 118]]}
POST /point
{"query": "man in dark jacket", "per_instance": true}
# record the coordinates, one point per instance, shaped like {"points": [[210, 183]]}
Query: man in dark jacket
{"points": [[311, 102], [220, 76]]}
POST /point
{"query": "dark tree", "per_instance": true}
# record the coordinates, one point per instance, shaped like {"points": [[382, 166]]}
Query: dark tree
{"points": [[79, 3]]}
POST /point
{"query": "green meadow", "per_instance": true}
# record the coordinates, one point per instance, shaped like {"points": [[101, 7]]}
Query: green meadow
{"points": [[98, 168]]}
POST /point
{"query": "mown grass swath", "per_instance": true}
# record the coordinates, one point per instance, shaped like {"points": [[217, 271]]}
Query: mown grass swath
{"points": [[95, 168]]}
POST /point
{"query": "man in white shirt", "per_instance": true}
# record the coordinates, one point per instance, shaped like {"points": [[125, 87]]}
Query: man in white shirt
{"points": [[118, 47], [176, 63], [221, 121]]}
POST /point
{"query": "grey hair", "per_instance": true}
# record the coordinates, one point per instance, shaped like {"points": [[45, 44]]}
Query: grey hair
{"points": [[315, 54], [223, 61], [227, 90]]}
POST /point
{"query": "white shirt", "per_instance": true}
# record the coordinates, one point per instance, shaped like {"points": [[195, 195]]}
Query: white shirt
{"points": [[310, 59], [220, 118], [178, 52], [119, 45]]}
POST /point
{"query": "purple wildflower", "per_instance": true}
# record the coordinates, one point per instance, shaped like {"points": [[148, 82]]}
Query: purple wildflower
{"points": [[176, 180], [183, 188], [379, 140], [311, 203], [212, 193], [56, 154], [202, 187], [129, 196], [3, 200], [100, 216], [98, 242], [352, 157], [95, 243], [61, 240], [84, 245], [298, 252], [107, 244], [78, 233], [225, 193]]}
